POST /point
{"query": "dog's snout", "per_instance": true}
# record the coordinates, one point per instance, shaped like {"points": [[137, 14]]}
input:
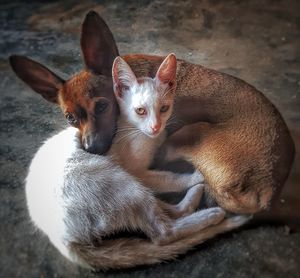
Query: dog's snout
{"points": [[90, 144], [91, 149], [86, 141], [95, 145]]}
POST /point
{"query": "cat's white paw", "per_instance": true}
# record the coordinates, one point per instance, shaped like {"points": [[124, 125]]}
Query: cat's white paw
{"points": [[236, 221], [231, 223], [192, 199], [215, 215], [196, 178]]}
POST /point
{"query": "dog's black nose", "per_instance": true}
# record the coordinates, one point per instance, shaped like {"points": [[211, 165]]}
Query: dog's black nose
{"points": [[94, 144], [92, 149]]}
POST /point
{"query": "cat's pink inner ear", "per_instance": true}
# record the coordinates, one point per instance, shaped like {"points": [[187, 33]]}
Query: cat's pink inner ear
{"points": [[123, 76], [167, 70], [115, 77]]}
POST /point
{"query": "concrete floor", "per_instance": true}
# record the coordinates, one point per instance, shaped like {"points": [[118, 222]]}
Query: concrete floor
{"points": [[258, 41]]}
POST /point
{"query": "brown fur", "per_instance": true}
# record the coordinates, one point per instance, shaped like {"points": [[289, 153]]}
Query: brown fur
{"points": [[230, 132], [83, 93], [80, 95]]}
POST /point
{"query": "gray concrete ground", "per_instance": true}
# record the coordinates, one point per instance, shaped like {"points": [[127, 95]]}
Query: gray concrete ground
{"points": [[258, 41]]}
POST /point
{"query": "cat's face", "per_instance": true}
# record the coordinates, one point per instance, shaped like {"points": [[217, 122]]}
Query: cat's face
{"points": [[147, 103]]}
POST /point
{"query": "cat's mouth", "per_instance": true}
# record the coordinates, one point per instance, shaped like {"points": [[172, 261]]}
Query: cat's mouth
{"points": [[152, 134]]}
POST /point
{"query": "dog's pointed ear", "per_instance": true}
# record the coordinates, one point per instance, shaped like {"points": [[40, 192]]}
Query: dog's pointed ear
{"points": [[98, 46], [38, 77]]}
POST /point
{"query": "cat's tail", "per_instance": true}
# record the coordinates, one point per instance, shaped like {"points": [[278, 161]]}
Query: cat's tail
{"points": [[130, 252]]}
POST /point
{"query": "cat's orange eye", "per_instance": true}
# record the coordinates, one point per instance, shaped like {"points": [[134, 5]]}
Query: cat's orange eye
{"points": [[140, 111], [164, 108]]}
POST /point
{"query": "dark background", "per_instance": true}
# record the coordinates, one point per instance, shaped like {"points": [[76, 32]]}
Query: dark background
{"points": [[258, 41]]}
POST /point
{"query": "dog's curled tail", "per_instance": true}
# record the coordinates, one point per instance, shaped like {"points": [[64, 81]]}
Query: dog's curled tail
{"points": [[130, 252]]}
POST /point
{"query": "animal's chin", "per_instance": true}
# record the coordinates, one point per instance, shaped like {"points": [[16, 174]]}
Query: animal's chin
{"points": [[100, 150], [97, 145], [151, 135]]}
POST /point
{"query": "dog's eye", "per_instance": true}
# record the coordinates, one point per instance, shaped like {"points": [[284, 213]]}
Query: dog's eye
{"points": [[164, 108], [100, 107], [72, 120]]}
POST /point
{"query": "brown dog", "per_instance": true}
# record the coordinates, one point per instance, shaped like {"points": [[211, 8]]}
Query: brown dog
{"points": [[229, 130], [87, 99]]}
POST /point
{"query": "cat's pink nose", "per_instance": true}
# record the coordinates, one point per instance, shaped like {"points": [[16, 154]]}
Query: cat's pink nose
{"points": [[156, 128]]}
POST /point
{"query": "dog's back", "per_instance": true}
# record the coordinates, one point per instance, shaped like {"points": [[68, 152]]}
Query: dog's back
{"points": [[233, 134]]}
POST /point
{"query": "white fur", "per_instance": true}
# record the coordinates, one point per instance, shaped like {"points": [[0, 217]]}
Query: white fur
{"points": [[62, 176], [61, 162], [149, 95], [45, 182], [135, 144]]}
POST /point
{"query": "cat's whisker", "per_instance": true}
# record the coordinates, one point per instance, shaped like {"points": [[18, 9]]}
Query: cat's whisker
{"points": [[166, 93], [125, 129], [127, 126], [127, 135], [121, 130], [121, 139], [174, 121], [174, 118], [133, 136]]}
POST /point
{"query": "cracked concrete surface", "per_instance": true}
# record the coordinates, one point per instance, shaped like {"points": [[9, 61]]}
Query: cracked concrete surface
{"points": [[258, 41]]}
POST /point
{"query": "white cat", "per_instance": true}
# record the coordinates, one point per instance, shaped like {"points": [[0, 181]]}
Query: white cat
{"points": [[146, 105], [78, 199]]}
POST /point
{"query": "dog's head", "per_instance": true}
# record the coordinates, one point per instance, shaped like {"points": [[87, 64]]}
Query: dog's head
{"points": [[87, 99]]}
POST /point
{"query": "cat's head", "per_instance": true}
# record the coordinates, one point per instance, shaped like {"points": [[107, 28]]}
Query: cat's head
{"points": [[146, 102]]}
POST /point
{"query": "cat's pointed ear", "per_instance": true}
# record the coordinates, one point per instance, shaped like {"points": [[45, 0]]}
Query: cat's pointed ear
{"points": [[98, 46], [166, 74], [123, 77]]}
